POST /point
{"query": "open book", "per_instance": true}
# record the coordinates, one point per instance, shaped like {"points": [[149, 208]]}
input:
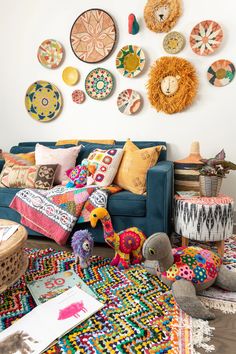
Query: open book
{"points": [[51, 286], [34, 332], [6, 231]]}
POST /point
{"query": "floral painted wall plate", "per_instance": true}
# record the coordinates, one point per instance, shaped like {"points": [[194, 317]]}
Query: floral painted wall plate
{"points": [[43, 101], [173, 42], [221, 72], [206, 37], [70, 75], [130, 61], [129, 102], [99, 84], [93, 36], [78, 96], [50, 53]]}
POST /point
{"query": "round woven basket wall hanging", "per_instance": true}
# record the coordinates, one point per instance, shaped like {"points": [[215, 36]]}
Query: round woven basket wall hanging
{"points": [[93, 36], [43, 101], [129, 102], [206, 37], [99, 84], [173, 42], [162, 15], [172, 84], [130, 61], [221, 73], [50, 53]]}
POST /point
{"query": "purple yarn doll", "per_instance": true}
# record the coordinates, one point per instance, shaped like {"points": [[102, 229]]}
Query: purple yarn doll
{"points": [[82, 244]]}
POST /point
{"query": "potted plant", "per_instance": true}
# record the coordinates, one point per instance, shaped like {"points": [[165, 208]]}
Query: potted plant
{"points": [[212, 173]]}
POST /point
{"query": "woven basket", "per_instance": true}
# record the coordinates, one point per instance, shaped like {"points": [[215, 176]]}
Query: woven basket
{"points": [[210, 186], [13, 260], [187, 170]]}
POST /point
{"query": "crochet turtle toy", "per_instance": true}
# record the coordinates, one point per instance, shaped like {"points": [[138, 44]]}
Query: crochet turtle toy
{"points": [[187, 270]]}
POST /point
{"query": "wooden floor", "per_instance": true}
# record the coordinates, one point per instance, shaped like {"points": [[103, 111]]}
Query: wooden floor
{"points": [[225, 325]]}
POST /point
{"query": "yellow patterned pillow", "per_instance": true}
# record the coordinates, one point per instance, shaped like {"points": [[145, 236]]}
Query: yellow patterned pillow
{"points": [[134, 165]]}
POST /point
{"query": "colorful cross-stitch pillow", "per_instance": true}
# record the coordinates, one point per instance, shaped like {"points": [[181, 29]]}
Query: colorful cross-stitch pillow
{"points": [[107, 162]]}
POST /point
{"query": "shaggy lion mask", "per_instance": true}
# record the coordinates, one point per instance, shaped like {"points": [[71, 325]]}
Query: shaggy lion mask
{"points": [[162, 15]]}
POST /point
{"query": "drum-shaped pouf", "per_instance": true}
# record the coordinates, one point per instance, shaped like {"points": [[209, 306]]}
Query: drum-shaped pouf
{"points": [[204, 219], [13, 259]]}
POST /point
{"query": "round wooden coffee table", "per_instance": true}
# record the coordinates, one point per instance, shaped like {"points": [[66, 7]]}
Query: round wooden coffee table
{"points": [[13, 259]]}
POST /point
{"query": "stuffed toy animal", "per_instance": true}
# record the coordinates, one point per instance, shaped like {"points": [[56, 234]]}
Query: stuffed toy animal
{"points": [[127, 243], [82, 244], [187, 270]]}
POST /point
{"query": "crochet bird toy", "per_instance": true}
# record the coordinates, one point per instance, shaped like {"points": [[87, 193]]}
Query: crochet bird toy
{"points": [[127, 243]]}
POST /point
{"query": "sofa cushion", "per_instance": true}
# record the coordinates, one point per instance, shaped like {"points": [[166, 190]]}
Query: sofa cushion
{"points": [[133, 169], [126, 203], [64, 158], [107, 162], [6, 195]]}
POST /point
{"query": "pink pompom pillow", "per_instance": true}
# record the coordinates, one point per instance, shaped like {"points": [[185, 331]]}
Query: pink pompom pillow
{"points": [[64, 158]]}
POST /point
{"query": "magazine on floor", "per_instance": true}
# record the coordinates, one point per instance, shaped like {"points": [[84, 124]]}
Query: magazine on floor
{"points": [[51, 286], [6, 231], [38, 329]]}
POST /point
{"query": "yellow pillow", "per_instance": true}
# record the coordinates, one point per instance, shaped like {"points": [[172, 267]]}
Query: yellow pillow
{"points": [[76, 142], [134, 165], [65, 142]]}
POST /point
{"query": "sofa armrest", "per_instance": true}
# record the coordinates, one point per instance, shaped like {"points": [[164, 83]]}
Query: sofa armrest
{"points": [[2, 162], [159, 197]]}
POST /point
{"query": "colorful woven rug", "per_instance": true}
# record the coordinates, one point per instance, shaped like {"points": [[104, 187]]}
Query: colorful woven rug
{"points": [[217, 298], [139, 316]]}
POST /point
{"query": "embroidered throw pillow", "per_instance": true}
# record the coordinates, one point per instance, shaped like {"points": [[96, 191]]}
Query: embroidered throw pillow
{"points": [[133, 169], [14, 160], [40, 177], [64, 158], [107, 162]]}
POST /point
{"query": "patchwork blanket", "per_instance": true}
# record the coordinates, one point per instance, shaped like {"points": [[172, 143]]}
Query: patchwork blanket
{"points": [[54, 213]]}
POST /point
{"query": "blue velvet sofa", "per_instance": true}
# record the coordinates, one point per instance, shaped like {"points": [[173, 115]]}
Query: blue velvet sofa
{"points": [[150, 212]]}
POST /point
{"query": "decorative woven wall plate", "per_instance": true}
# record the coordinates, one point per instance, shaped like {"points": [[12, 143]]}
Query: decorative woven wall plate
{"points": [[43, 101], [129, 102], [173, 42], [93, 36], [221, 72], [78, 96], [130, 61], [50, 53], [99, 84], [70, 75], [206, 37]]}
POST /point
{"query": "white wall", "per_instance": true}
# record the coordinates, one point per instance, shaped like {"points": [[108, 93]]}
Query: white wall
{"points": [[25, 24]]}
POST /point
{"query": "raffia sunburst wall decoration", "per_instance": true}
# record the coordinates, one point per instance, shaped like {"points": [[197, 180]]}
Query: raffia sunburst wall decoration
{"points": [[172, 84], [162, 15]]}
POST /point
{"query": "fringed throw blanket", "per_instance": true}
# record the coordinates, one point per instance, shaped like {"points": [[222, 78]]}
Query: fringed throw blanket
{"points": [[54, 213]]}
